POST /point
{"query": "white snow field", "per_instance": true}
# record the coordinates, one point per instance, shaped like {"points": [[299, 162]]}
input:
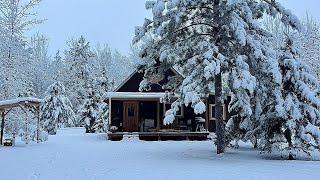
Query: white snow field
{"points": [[72, 155]]}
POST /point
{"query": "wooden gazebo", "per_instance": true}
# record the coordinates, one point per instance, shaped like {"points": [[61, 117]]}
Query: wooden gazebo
{"points": [[22, 103]]}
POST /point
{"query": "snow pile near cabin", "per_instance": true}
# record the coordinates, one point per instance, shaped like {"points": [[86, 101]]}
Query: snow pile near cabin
{"points": [[74, 155]]}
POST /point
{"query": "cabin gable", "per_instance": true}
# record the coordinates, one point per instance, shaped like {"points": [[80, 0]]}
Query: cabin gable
{"points": [[133, 82]]}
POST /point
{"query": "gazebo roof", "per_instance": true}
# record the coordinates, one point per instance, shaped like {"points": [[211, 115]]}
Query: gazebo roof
{"points": [[12, 103]]}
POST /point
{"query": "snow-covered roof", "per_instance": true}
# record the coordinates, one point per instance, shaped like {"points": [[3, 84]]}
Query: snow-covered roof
{"points": [[15, 102], [134, 95]]}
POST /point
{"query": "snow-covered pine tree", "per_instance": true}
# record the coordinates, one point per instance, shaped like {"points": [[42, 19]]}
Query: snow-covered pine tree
{"points": [[90, 111], [299, 128], [102, 85], [78, 71], [94, 112], [208, 38], [56, 109]]}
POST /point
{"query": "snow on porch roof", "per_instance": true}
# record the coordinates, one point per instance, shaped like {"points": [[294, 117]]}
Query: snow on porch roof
{"points": [[134, 95]]}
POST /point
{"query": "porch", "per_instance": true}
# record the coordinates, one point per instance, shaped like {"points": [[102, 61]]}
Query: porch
{"points": [[160, 136], [142, 114]]}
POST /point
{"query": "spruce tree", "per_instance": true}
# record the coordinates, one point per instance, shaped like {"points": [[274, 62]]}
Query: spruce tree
{"points": [[56, 109]]}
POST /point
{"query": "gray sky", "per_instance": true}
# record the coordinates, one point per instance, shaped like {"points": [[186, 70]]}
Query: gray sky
{"points": [[113, 21]]}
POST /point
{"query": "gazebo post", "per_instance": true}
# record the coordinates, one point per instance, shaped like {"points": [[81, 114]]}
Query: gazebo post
{"points": [[38, 125], [2, 126]]}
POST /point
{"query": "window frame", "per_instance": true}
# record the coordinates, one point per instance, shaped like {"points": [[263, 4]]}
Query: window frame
{"points": [[212, 116], [178, 115]]}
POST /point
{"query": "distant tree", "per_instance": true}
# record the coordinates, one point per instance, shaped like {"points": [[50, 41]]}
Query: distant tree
{"points": [[79, 70], [56, 109], [114, 65], [309, 43], [40, 62], [57, 68], [307, 40], [16, 17]]}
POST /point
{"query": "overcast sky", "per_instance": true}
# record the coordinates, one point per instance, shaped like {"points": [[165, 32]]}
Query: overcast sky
{"points": [[113, 21]]}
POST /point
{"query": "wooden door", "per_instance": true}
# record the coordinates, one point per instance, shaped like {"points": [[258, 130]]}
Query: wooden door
{"points": [[131, 116]]}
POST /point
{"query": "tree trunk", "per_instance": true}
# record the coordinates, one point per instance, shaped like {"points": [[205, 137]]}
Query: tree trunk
{"points": [[220, 133]]}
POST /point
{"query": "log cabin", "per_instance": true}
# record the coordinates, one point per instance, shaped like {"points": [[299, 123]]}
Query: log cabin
{"points": [[132, 112]]}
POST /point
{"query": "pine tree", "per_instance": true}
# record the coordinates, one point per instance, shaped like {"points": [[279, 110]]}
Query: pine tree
{"points": [[208, 38], [90, 110], [94, 112], [56, 109]]}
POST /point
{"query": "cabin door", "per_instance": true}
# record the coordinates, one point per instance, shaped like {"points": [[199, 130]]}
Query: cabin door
{"points": [[131, 116]]}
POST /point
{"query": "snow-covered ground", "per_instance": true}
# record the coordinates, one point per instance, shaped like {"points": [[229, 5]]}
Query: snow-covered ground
{"points": [[72, 155]]}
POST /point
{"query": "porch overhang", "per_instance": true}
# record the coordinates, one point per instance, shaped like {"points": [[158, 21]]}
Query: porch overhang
{"points": [[133, 95]]}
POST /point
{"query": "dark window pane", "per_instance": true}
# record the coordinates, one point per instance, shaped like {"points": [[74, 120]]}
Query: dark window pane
{"points": [[130, 112], [213, 112]]}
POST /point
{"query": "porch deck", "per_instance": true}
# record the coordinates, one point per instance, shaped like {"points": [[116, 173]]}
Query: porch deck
{"points": [[161, 136]]}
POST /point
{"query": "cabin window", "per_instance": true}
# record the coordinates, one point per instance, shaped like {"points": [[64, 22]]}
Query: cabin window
{"points": [[212, 111], [167, 107], [131, 112]]}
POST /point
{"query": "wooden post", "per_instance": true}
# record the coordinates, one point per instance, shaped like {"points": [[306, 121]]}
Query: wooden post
{"points": [[158, 116], [27, 128], [2, 126], [207, 113], [110, 111], [38, 125]]}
